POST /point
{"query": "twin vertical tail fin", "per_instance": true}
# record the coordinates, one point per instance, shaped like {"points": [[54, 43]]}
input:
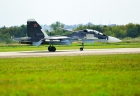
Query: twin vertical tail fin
{"points": [[35, 31]]}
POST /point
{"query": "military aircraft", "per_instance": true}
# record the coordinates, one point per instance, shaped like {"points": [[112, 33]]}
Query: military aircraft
{"points": [[37, 36]]}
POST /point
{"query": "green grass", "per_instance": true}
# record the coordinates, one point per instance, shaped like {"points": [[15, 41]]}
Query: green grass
{"points": [[96, 45], [104, 75]]}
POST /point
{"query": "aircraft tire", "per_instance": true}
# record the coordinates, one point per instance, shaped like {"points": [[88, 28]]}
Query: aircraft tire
{"points": [[81, 49], [49, 48], [53, 49]]}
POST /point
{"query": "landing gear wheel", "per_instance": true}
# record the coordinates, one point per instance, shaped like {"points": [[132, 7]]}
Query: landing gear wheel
{"points": [[81, 49], [51, 49]]}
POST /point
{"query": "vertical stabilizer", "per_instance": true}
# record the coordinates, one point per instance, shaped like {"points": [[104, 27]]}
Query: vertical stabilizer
{"points": [[34, 30]]}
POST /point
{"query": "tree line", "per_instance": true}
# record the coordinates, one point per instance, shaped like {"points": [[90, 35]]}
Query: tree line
{"points": [[119, 31], [7, 33]]}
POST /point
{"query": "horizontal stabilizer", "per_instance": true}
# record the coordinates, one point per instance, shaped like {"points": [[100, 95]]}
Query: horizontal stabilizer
{"points": [[37, 43]]}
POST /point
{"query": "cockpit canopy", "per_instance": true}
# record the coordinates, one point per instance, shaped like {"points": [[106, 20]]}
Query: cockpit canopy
{"points": [[93, 31]]}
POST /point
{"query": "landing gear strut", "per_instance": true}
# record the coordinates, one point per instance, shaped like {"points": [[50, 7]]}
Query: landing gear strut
{"points": [[81, 48]]}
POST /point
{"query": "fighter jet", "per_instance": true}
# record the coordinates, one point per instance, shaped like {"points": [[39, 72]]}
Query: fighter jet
{"points": [[37, 36]]}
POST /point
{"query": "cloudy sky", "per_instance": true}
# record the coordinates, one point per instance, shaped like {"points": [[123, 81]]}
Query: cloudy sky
{"points": [[17, 12]]}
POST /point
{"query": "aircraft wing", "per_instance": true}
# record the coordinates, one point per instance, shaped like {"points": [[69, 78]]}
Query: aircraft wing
{"points": [[57, 38]]}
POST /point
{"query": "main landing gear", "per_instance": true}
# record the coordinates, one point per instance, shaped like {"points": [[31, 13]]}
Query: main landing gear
{"points": [[81, 48], [51, 48]]}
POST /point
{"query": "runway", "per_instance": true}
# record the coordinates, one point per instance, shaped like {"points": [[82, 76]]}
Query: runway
{"points": [[69, 52]]}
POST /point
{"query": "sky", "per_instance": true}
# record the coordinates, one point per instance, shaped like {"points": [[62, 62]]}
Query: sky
{"points": [[70, 12]]}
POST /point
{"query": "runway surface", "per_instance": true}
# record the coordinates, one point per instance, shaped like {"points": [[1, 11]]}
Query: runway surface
{"points": [[69, 52]]}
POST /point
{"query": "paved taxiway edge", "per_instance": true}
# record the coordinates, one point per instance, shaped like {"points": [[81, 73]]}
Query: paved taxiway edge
{"points": [[69, 52]]}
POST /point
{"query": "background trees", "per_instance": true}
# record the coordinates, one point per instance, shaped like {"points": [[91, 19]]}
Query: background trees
{"points": [[119, 31], [7, 33], [58, 29]]}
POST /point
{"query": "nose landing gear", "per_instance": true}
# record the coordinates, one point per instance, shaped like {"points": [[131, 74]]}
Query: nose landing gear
{"points": [[81, 48]]}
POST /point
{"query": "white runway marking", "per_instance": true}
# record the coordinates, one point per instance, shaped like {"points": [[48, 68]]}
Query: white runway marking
{"points": [[69, 52]]}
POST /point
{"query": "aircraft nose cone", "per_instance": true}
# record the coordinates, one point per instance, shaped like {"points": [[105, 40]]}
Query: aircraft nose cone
{"points": [[113, 39]]}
